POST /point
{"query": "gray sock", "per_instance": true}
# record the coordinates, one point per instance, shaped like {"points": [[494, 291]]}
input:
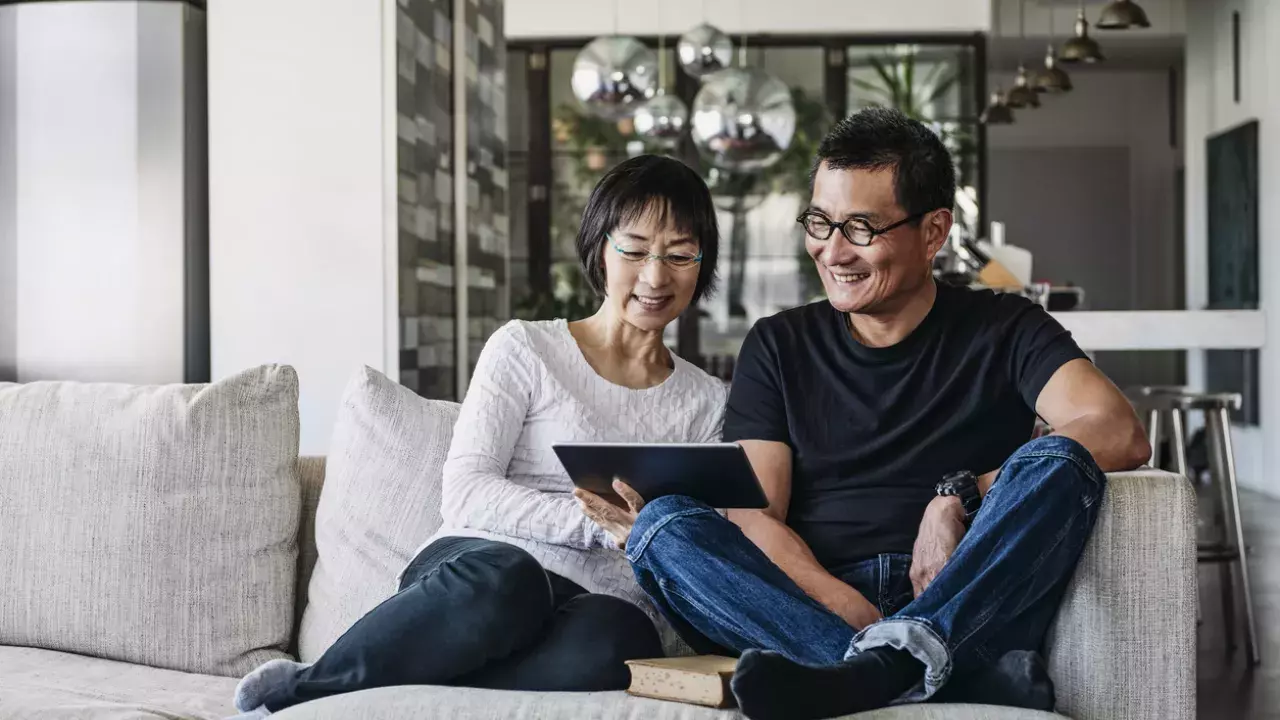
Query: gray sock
{"points": [[255, 686]]}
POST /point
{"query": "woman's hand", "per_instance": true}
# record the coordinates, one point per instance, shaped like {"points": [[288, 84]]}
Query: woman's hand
{"points": [[615, 520]]}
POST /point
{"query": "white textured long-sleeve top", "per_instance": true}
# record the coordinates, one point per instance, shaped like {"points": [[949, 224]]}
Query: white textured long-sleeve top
{"points": [[532, 387]]}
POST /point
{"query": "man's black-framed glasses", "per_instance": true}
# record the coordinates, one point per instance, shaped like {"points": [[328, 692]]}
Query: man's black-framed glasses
{"points": [[856, 230]]}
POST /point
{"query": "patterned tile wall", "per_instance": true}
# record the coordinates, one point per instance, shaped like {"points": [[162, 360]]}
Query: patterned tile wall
{"points": [[424, 108], [488, 293], [427, 236]]}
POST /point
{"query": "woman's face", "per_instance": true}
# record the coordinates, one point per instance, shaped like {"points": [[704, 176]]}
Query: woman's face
{"points": [[645, 292]]}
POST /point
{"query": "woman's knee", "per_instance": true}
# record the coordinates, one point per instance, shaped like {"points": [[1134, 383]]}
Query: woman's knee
{"points": [[495, 574], [611, 631]]}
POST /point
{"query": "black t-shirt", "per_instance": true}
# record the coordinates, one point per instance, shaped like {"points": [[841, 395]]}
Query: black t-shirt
{"points": [[872, 430]]}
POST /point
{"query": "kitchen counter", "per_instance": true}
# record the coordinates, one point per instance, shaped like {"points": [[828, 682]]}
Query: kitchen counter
{"points": [[1166, 329]]}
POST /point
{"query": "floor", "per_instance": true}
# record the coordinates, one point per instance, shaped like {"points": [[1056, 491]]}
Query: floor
{"points": [[1227, 688]]}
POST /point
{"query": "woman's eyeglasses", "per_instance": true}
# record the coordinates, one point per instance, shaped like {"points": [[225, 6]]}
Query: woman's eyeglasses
{"points": [[678, 261], [856, 230]]}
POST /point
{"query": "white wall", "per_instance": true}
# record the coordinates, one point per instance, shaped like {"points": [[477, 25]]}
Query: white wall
{"points": [[571, 18], [8, 192], [299, 231], [1120, 245], [95, 206], [1210, 109], [1116, 110]]}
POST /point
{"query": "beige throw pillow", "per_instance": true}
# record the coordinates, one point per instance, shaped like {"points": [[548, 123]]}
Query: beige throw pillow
{"points": [[153, 525], [380, 502]]}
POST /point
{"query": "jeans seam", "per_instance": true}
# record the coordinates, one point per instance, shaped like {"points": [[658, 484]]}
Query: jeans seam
{"points": [[986, 617], [648, 534], [1090, 470], [668, 586], [884, 577]]}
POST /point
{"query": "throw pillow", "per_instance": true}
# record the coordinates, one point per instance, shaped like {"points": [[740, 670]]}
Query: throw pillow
{"points": [[381, 500], [153, 525]]}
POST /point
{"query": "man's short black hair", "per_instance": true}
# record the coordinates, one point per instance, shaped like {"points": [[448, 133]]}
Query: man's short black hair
{"points": [[639, 186], [879, 138]]}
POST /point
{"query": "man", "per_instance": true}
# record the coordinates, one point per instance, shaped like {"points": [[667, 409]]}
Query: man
{"points": [[915, 542]]}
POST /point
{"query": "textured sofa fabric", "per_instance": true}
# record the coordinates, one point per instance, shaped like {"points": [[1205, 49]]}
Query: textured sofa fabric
{"points": [[50, 685], [432, 703], [1122, 646], [85, 470], [381, 500], [154, 525], [1124, 642]]}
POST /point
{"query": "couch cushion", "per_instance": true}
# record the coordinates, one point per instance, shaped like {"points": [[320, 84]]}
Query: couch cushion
{"points": [[154, 525], [58, 686], [429, 703], [311, 474], [381, 500]]}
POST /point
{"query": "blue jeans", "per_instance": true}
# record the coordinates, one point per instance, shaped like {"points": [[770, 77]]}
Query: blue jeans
{"points": [[996, 595]]}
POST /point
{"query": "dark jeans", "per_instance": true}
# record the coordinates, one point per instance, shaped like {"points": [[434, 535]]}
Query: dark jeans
{"points": [[986, 612], [479, 613]]}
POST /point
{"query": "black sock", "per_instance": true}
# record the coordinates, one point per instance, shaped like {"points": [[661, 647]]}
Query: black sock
{"points": [[768, 685]]}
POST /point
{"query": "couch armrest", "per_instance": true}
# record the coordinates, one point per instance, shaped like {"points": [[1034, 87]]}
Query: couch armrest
{"points": [[1123, 644]]}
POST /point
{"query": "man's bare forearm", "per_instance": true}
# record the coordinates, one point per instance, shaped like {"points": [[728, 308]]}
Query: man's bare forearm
{"points": [[790, 553], [1117, 444]]}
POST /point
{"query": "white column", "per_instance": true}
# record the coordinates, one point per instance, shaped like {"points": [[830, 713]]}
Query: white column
{"points": [[8, 195], [300, 222], [94, 202]]}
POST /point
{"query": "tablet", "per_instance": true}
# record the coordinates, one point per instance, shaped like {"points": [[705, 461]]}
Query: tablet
{"points": [[717, 474]]}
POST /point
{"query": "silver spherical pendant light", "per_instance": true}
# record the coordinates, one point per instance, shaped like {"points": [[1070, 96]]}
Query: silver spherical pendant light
{"points": [[704, 50], [743, 119], [1122, 15], [661, 121], [613, 75]]}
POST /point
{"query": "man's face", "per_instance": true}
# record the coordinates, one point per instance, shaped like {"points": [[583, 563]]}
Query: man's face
{"points": [[895, 265]]}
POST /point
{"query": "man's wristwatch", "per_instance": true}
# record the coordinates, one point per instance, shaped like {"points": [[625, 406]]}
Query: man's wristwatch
{"points": [[963, 485]]}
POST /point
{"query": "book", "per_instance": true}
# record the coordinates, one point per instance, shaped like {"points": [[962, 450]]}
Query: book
{"points": [[700, 680]]}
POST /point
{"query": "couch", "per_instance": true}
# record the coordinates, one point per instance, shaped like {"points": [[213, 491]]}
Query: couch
{"points": [[155, 543]]}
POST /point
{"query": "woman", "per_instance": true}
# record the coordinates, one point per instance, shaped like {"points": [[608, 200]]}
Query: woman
{"points": [[520, 590]]}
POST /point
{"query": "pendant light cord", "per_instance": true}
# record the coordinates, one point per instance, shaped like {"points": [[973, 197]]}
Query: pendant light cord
{"points": [[662, 54], [742, 47]]}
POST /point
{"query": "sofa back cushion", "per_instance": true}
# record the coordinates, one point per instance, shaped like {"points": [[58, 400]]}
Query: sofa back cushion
{"points": [[153, 525], [380, 501]]}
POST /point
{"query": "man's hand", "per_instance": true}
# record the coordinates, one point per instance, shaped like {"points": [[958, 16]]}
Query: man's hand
{"points": [[615, 520], [940, 532]]}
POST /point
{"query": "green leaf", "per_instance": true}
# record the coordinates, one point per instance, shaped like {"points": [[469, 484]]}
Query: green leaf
{"points": [[943, 88], [909, 75]]}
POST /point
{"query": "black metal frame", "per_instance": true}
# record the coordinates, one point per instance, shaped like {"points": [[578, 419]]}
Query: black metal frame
{"points": [[835, 91]]}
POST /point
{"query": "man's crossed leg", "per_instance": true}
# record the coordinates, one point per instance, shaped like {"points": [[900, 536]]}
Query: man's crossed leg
{"points": [[980, 620]]}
